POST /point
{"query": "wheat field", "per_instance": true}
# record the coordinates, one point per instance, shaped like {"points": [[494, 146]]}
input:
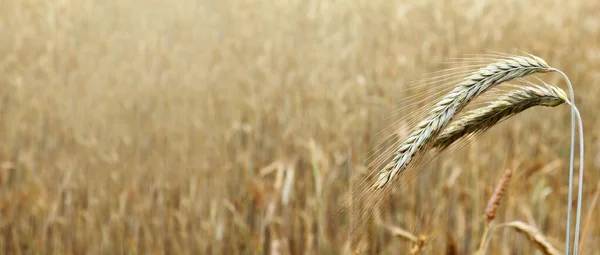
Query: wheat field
{"points": [[233, 127]]}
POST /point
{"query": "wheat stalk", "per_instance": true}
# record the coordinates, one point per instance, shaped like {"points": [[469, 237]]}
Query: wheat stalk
{"points": [[504, 107], [492, 207], [443, 112]]}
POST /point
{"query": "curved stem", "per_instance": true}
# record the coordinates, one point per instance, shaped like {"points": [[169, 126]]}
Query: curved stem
{"points": [[580, 188], [571, 159]]}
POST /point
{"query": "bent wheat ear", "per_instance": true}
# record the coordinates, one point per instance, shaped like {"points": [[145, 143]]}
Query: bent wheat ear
{"points": [[442, 113], [504, 107], [534, 235]]}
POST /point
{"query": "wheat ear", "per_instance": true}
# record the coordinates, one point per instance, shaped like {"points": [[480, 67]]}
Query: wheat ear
{"points": [[504, 107], [534, 235], [492, 207], [422, 137]]}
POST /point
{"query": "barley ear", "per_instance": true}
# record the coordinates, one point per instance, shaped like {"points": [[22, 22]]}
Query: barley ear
{"points": [[506, 106], [442, 113]]}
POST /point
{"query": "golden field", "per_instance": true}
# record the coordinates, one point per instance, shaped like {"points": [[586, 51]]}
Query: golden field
{"points": [[232, 127]]}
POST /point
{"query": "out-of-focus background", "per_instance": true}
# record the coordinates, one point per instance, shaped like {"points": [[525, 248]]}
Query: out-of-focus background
{"points": [[232, 127]]}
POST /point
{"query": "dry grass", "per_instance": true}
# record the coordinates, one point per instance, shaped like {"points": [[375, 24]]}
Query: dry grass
{"points": [[232, 127]]}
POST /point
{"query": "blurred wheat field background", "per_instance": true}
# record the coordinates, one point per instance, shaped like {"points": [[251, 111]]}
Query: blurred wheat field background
{"points": [[232, 127]]}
